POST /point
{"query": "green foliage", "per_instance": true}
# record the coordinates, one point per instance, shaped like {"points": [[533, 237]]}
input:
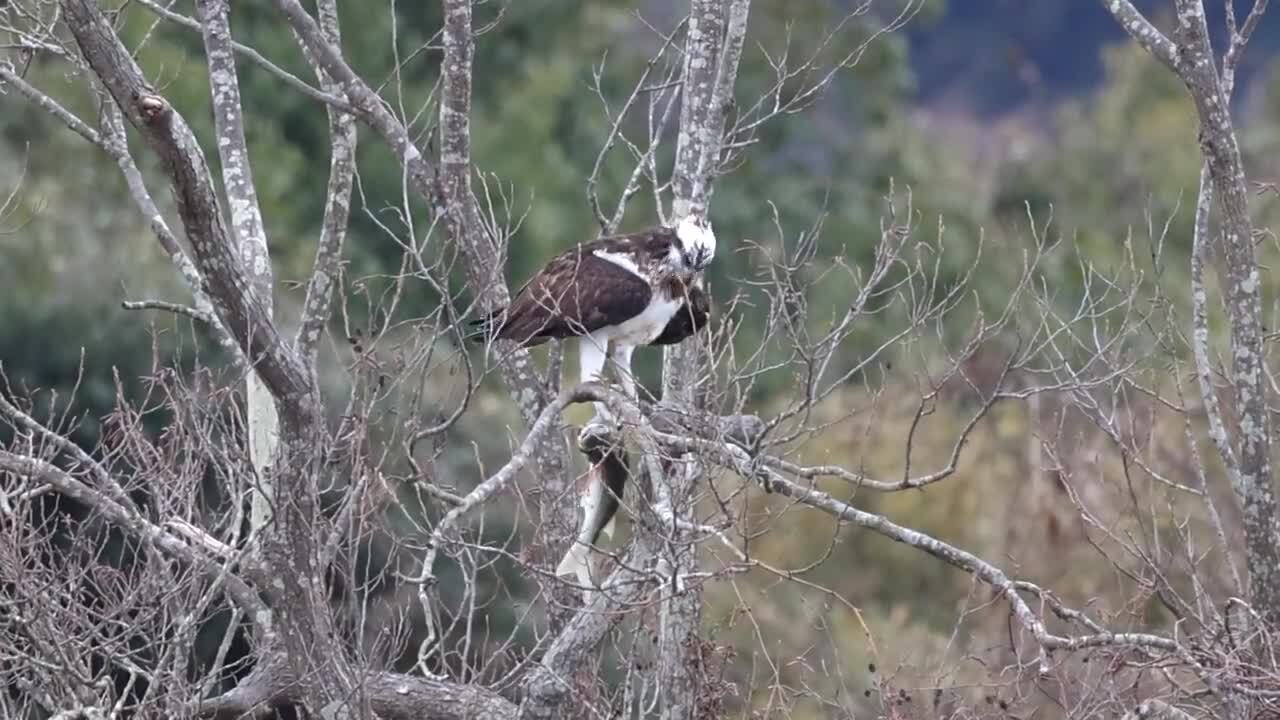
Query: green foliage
{"points": [[67, 267]]}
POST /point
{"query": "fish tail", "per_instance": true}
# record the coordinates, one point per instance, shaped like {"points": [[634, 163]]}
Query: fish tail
{"points": [[576, 563]]}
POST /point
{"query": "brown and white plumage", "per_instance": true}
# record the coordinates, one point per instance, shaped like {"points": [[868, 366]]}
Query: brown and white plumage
{"points": [[612, 294], [690, 318]]}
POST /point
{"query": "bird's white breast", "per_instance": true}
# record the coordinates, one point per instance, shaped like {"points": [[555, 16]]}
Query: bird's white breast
{"points": [[649, 324]]}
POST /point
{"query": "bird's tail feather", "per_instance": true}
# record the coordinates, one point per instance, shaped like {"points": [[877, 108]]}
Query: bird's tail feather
{"points": [[480, 328], [501, 324]]}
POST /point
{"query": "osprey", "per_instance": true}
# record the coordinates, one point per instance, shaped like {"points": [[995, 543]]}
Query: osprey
{"points": [[613, 294]]}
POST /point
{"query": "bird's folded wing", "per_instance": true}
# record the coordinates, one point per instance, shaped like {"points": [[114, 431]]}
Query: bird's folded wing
{"points": [[575, 294]]}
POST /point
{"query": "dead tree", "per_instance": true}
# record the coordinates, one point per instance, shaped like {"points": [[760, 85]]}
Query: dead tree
{"points": [[702, 457]]}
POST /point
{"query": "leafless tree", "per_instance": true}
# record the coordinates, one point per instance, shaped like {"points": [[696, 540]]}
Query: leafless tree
{"points": [[320, 474]]}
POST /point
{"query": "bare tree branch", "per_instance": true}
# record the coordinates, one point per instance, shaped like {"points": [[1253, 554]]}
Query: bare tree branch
{"points": [[1141, 30], [141, 529], [715, 33], [171, 138], [459, 214], [333, 233], [247, 230], [112, 141], [383, 540], [326, 96], [48, 104], [1195, 65]]}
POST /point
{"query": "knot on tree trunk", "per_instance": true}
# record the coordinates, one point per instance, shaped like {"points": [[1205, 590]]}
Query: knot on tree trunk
{"points": [[152, 108]]}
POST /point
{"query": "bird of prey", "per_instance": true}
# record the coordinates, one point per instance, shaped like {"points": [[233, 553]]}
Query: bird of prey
{"points": [[609, 470], [613, 294]]}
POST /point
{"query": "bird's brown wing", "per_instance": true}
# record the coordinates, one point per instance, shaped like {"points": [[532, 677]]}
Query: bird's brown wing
{"points": [[575, 294]]}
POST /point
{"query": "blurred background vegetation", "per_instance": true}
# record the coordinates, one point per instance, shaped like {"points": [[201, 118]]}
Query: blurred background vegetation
{"points": [[986, 111]]}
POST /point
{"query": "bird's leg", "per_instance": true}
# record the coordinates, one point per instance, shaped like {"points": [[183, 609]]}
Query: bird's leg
{"points": [[592, 353], [621, 354]]}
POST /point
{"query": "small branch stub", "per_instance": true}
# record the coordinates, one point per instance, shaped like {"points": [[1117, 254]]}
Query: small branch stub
{"points": [[152, 107]]}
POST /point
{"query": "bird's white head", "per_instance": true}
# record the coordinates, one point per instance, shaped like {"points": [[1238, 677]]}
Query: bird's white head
{"points": [[697, 243]]}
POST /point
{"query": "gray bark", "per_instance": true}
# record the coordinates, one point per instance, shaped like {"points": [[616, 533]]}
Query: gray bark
{"points": [[302, 659], [447, 190], [462, 219], [546, 687], [249, 235], [714, 36], [337, 211], [1190, 56]]}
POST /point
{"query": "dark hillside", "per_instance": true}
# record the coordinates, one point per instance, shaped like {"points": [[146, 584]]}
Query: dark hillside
{"points": [[994, 55]]}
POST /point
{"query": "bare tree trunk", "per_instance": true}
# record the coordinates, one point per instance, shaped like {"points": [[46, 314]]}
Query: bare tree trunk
{"points": [[467, 228], [1190, 56], [342, 165], [301, 648], [715, 34], [250, 238]]}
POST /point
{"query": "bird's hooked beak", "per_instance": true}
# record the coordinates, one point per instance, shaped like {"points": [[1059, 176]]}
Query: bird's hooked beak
{"points": [[694, 260], [699, 259]]}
